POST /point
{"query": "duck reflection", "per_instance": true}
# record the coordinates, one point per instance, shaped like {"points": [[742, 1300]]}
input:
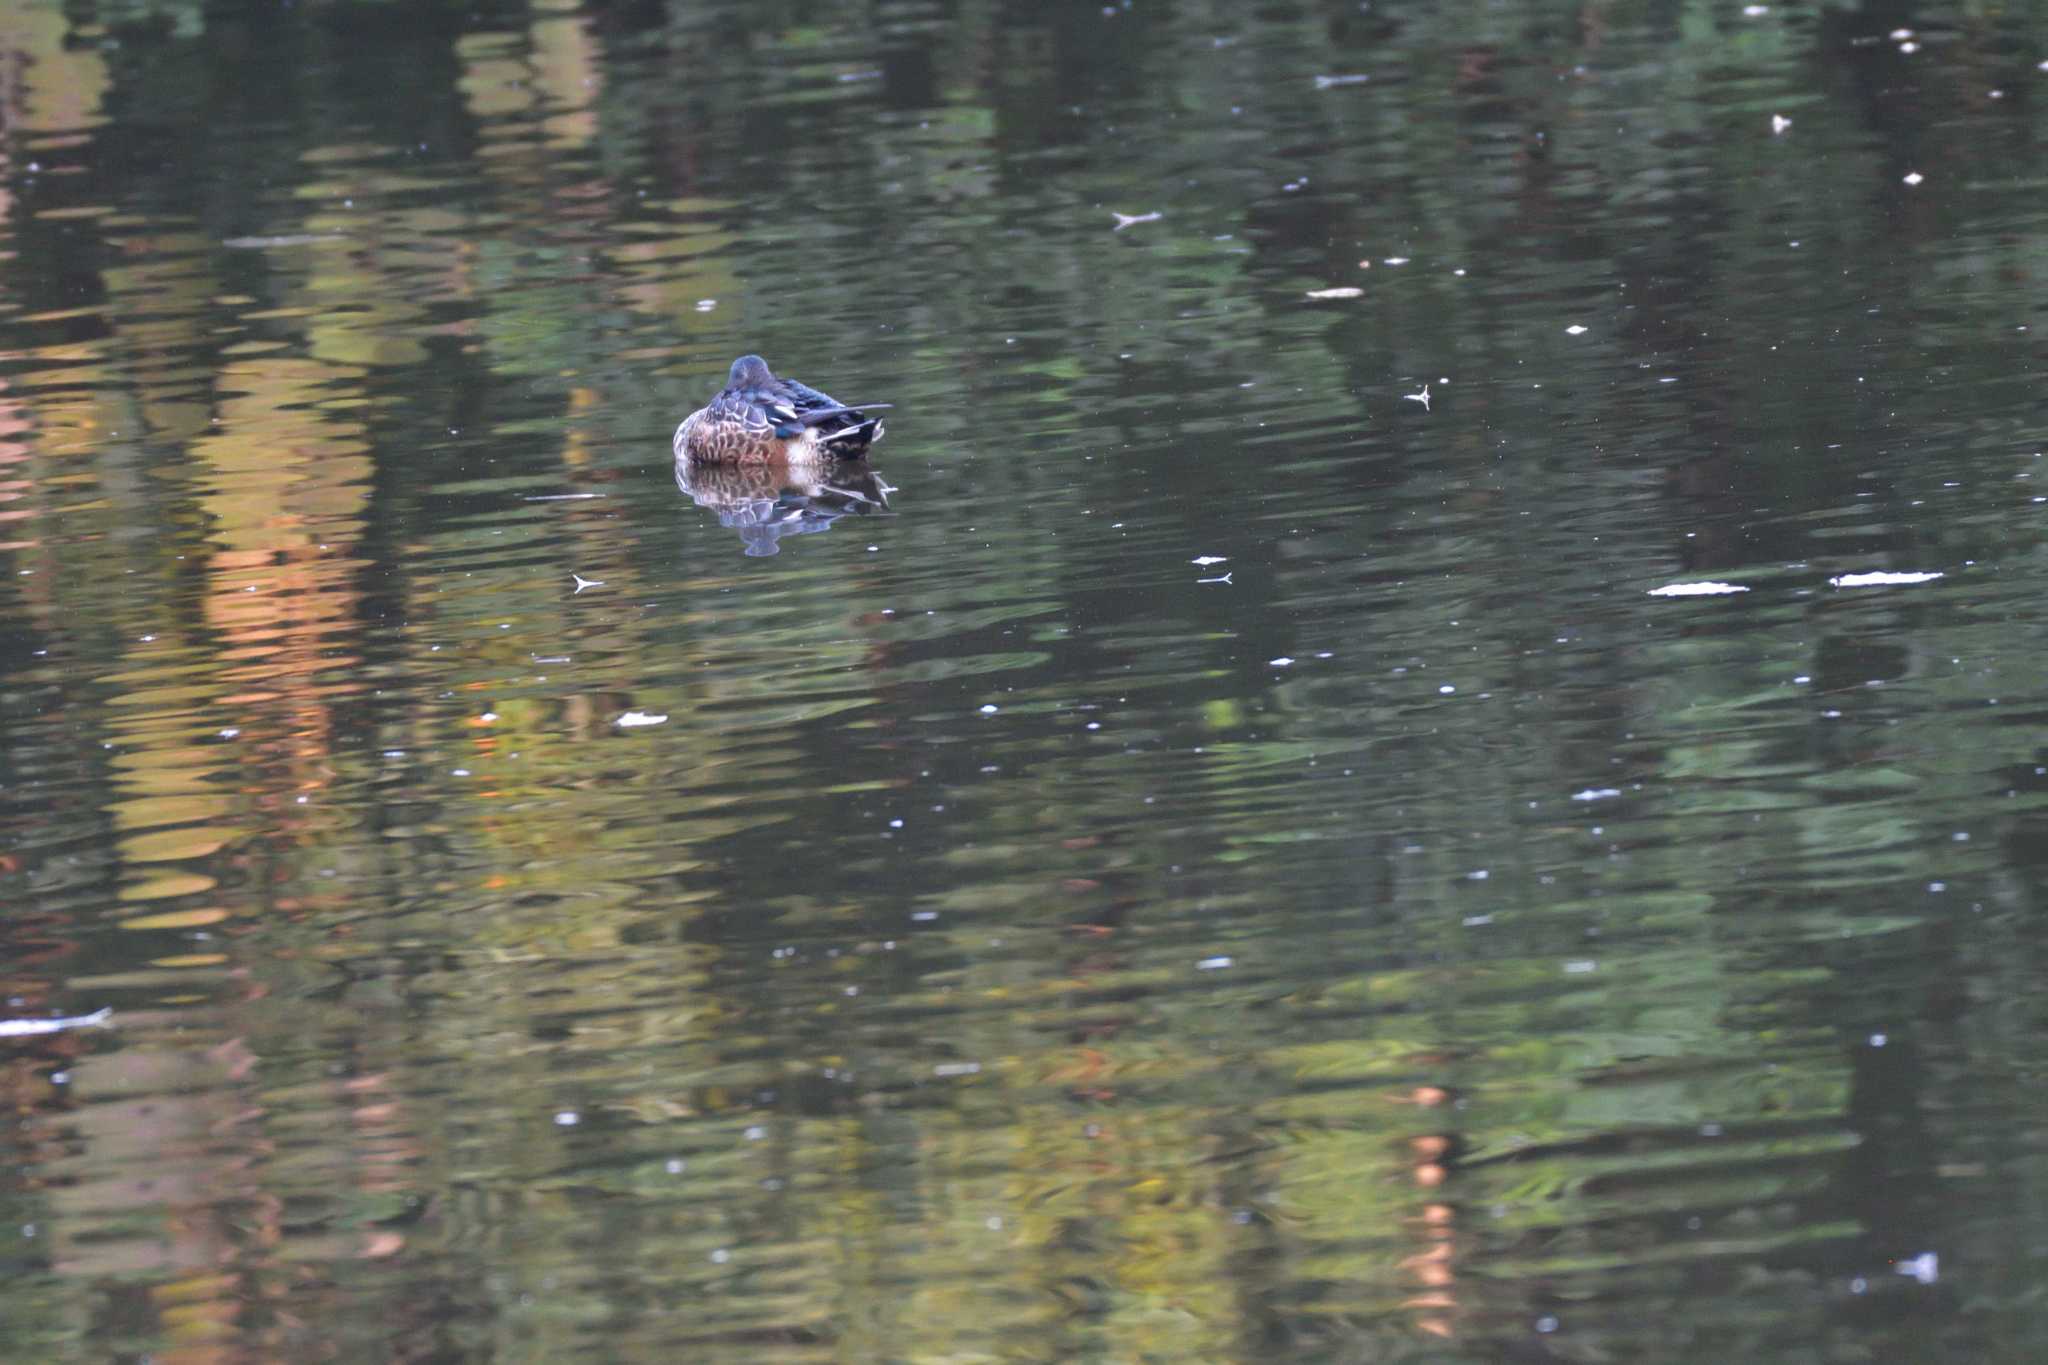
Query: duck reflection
{"points": [[765, 502]]}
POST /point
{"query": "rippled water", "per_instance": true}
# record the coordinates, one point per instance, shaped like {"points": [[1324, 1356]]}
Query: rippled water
{"points": [[1191, 853]]}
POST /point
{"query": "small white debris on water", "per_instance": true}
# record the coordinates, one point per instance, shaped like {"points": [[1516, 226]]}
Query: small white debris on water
{"points": [[1914, 177], [1422, 398], [1395, 260], [1282, 662], [1779, 123], [1597, 794], [1342, 291], [1575, 330], [230, 732], [957, 1069], [1879, 579], [1755, 11], [989, 709], [1926, 1267], [1124, 220], [1213, 964], [1446, 689], [1707, 589], [582, 582], [1878, 1040], [1476, 921], [1328, 82], [1581, 966], [706, 305], [1478, 874], [636, 718], [1204, 561], [567, 1118]]}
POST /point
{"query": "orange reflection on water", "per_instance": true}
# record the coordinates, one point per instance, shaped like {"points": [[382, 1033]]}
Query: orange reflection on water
{"points": [[286, 485], [1434, 1266]]}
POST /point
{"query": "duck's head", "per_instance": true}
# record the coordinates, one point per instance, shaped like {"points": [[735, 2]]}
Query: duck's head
{"points": [[749, 372]]}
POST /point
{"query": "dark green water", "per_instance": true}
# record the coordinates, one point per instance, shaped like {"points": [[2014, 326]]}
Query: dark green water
{"points": [[1191, 856]]}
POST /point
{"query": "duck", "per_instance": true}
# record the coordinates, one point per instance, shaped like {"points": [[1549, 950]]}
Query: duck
{"points": [[758, 417]]}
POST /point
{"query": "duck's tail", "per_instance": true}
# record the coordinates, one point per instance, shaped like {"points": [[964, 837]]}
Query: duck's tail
{"points": [[851, 442]]}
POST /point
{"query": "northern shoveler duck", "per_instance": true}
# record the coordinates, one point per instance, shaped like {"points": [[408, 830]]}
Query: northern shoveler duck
{"points": [[757, 417]]}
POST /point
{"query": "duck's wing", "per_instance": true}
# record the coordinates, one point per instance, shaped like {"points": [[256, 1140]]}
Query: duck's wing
{"points": [[812, 407], [736, 409], [796, 408], [852, 413], [804, 398]]}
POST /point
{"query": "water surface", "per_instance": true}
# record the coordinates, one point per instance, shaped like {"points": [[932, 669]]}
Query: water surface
{"points": [[1193, 853]]}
